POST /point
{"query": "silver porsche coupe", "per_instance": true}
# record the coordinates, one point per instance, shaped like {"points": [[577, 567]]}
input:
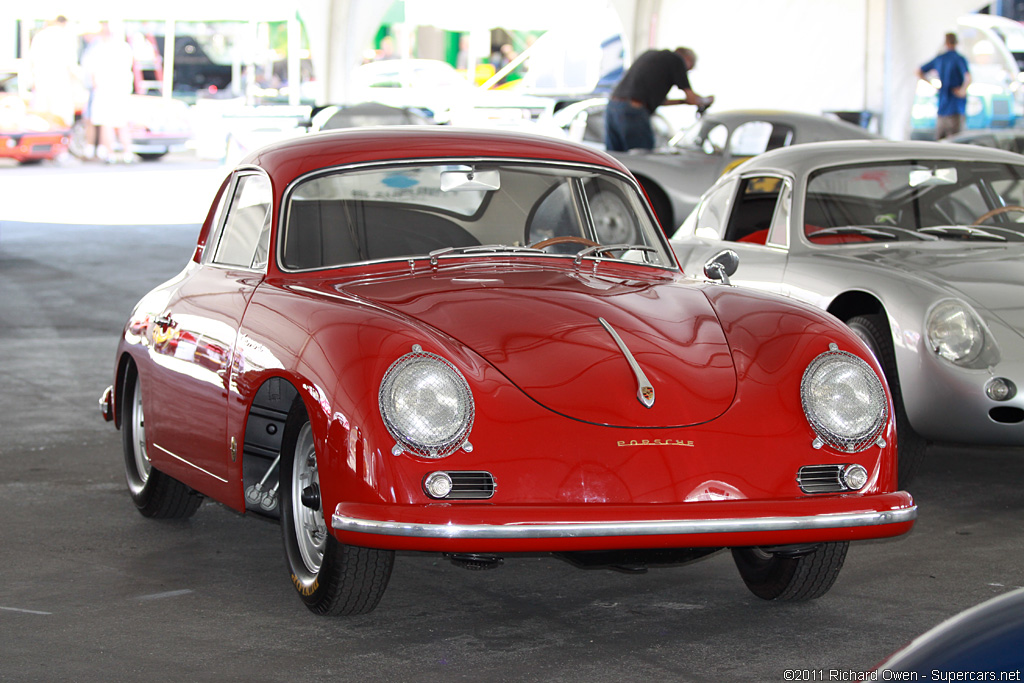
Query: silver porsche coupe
{"points": [[917, 246], [674, 176]]}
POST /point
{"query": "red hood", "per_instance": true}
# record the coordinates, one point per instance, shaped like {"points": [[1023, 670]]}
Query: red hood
{"points": [[540, 328]]}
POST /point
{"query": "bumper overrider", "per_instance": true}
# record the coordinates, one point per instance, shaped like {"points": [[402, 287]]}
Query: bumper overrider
{"points": [[444, 527]]}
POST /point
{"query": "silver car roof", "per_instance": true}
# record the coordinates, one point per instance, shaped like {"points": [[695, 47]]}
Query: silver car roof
{"points": [[799, 160]]}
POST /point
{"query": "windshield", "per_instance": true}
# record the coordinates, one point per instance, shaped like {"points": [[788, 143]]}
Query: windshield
{"points": [[1013, 36], [486, 208], [915, 200], [703, 136]]}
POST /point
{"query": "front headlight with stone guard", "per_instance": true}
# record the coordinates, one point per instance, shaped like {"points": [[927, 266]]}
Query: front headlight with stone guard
{"points": [[844, 401]]}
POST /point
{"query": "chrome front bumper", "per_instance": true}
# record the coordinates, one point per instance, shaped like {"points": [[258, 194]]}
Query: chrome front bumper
{"points": [[601, 529], [107, 404], [590, 529]]}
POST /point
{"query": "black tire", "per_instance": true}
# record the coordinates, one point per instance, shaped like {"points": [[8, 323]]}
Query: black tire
{"points": [[151, 156], [154, 493], [331, 578], [910, 446], [662, 207], [791, 578]]}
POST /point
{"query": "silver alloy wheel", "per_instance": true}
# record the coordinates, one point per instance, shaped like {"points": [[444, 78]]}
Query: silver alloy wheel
{"points": [[613, 220], [310, 528], [138, 427]]}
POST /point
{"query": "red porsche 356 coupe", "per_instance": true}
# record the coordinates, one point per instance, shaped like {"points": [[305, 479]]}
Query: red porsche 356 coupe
{"points": [[477, 344]]}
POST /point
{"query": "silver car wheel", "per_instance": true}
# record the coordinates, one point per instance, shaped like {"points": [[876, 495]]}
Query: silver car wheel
{"points": [[613, 220], [310, 528], [138, 432], [154, 493]]}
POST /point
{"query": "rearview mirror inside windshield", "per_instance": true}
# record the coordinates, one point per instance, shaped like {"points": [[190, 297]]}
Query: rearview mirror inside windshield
{"points": [[932, 176], [459, 181]]}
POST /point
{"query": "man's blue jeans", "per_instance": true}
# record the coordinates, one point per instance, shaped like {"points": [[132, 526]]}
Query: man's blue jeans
{"points": [[627, 127]]}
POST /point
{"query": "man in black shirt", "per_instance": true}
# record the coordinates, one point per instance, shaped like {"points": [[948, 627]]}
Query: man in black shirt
{"points": [[642, 90]]}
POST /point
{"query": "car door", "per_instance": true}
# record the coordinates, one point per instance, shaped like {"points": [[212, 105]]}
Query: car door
{"points": [[186, 412], [748, 215]]}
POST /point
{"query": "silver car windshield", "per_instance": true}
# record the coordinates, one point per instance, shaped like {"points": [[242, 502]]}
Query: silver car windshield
{"points": [[442, 210], [915, 200]]}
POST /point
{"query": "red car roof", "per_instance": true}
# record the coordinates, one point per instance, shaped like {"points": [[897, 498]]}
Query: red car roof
{"points": [[291, 158]]}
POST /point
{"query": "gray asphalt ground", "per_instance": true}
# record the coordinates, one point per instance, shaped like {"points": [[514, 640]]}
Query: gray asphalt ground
{"points": [[90, 590]]}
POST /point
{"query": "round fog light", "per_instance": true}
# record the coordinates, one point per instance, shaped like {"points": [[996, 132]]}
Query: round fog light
{"points": [[855, 476], [437, 485], [1000, 389]]}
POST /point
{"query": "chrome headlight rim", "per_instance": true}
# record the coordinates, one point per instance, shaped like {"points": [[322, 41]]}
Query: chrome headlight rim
{"points": [[945, 348], [877, 404], [400, 424]]}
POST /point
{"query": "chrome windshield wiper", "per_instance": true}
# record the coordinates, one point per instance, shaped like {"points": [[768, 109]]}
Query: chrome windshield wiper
{"points": [[963, 231], [601, 248], [486, 248], [881, 231]]}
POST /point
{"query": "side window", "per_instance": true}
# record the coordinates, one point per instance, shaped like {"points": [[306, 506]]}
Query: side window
{"points": [[964, 205], [778, 234], [245, 239], [755, 137], [755, 208], [557, 215], [715, 140], [710, 217]]}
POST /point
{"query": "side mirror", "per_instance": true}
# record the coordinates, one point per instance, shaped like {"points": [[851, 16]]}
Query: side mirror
{"points": [[722, 265]]}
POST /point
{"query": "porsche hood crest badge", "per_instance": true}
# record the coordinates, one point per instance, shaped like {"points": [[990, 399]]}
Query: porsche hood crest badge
{"points": [[645, 391]]}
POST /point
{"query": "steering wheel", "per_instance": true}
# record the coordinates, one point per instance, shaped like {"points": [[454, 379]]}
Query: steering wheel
{"points": [[995, 212], [570, 238]]}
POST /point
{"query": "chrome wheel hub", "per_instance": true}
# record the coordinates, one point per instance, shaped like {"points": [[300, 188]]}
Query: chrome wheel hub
{"points": [[138, 427], [310, 528]]}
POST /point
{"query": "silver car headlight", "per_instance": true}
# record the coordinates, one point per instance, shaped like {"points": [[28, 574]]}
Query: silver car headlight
{"points": [[426, 404], [954, 332], [844, 401]]}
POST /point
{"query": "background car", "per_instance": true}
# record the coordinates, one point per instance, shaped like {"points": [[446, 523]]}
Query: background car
{"points": [[157, 125], [479, 343], [365, 114], [988, 106], [428, 85], [1012, 140], [675, 176], [583, 122], [916, 245], [983, 642], [27, 136]]}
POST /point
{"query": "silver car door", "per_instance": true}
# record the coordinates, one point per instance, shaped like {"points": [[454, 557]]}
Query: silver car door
{"points": [[747, 215]]}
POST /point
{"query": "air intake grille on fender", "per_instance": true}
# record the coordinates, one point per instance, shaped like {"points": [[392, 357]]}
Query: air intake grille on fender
{"points": [[821, 478], [471, 485]]}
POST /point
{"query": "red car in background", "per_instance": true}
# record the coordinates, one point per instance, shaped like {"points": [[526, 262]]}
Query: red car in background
{"points": [[27, 136], [479, 343]]}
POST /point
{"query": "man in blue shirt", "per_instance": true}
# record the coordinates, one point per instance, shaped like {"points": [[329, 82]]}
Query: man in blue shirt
{"points": [[954, 77]]}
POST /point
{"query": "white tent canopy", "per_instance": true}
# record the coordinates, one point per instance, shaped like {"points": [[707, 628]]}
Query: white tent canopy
{"points": [[806, 55]]}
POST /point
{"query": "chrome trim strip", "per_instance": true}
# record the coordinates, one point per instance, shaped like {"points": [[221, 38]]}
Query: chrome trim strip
{"points": [[193, 466], [644, 389], [643, 528]]}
